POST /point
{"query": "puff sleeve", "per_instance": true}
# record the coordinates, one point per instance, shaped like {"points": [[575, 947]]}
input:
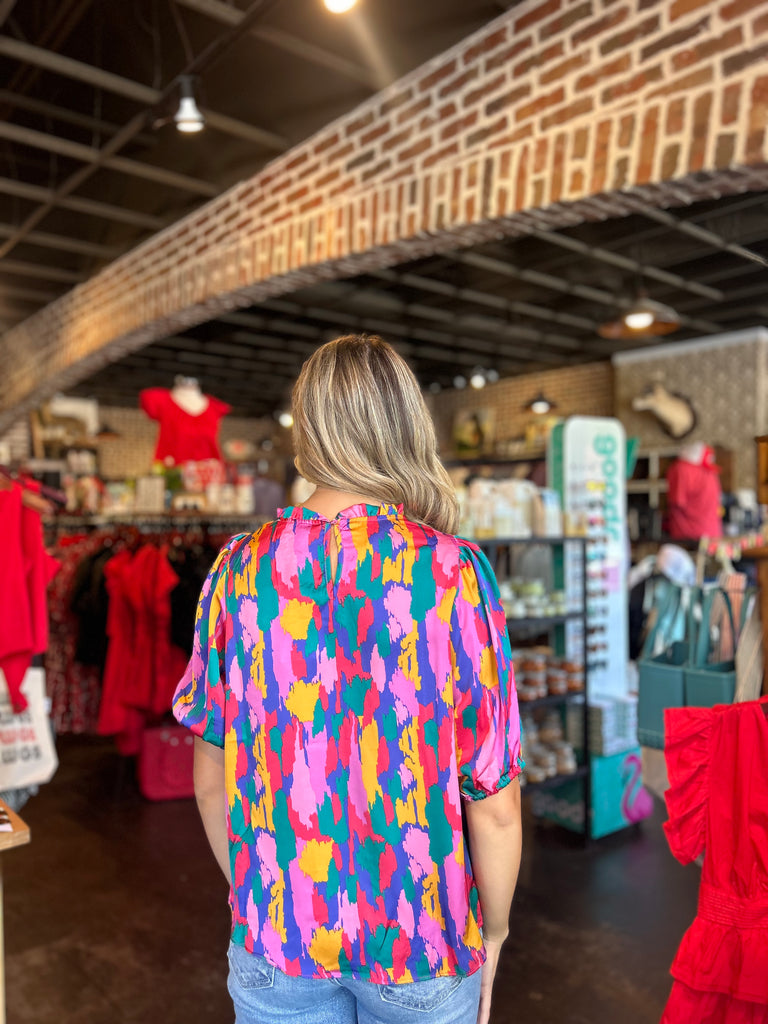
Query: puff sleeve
{"points": [[200, 696], [487, 721], [688, 733], [154, 402]]}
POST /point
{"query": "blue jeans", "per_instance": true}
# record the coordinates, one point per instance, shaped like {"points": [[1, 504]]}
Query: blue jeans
{"points": [[262, 994]]}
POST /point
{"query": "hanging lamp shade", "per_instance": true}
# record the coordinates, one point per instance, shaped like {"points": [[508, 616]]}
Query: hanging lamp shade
{"points": [[188, 118], [644, 319], [539, 405]]}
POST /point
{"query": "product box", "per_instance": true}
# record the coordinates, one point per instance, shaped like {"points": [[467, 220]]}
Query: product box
{"points": [[612, 724], [618, 796]]}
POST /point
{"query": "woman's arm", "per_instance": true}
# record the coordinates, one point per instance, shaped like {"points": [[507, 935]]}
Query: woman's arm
{"points": [[495, 840], [211, 796]]}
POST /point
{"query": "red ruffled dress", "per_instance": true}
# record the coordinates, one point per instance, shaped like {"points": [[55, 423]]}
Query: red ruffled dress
{"points": [[717, 760]]}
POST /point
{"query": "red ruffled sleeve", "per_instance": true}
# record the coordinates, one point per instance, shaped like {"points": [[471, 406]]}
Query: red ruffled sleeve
{"points": [[688, 733]]}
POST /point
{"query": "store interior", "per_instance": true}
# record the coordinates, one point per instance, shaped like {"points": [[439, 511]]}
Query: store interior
{"points": [[591, 338]]}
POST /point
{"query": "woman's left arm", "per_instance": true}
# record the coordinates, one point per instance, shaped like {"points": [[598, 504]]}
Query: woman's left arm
{"points": [[211, 796]]}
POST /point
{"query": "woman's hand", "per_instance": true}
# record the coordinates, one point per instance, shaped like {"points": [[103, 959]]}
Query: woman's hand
{"points": [[492, 951]]}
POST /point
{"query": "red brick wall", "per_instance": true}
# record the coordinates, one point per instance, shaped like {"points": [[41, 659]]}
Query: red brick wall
{"points": [[558, 111]]}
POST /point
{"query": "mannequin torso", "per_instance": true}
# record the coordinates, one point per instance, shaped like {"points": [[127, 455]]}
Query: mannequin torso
{"points": [[187, 395]]}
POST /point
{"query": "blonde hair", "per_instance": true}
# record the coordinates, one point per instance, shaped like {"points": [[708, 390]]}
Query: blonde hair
{"points": [[361, 425]]}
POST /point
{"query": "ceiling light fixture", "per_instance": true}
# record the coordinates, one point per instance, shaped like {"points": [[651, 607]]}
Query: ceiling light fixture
{"points": [[459, 381], [477, 380], [539, 405], [339, 6], [285, 419], [644, 319], [188, 117]]}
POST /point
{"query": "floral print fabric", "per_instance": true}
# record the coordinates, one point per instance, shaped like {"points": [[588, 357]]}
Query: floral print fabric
{"points": [[355, 709]]}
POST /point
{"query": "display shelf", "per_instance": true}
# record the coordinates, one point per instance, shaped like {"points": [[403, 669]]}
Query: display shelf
{"points": [[582, 772], [547, 623], [536, 455], [507, 541], [542, 622], [551, 700]]}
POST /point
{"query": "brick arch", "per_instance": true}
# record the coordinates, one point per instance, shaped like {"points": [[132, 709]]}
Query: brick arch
{"points": [[557, 112]]}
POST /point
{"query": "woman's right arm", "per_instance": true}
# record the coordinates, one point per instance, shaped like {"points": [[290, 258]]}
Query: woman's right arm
{"points": [[495, 840]]}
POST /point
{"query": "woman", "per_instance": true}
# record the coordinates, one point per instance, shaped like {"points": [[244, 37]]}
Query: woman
{"points": [[351, 692]]}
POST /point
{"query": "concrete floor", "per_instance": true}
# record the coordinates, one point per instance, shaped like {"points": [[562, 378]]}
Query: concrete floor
{"points": [[116, 912]]}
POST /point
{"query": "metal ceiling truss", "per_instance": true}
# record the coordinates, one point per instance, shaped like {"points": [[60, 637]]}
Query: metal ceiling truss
{"points": [[42, 272], [89, 155], [145, 95], [48, 241], [133, 127], [445, 346], [91, 207], [453, 322], [67, 116], [564, 287], [229, 15]]}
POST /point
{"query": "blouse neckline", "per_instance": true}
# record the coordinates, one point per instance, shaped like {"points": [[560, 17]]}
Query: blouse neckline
{"points": [[358, 511]]}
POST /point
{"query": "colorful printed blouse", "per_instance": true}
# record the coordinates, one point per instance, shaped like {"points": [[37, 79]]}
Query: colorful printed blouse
{"points": [[355, 710]]}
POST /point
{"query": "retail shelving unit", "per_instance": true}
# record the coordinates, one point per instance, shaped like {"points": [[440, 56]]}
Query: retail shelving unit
{"points": [[519, 627]]}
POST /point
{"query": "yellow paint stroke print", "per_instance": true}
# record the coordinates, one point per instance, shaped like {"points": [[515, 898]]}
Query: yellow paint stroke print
{"points": [[302, 699], [369, 754], [408, 662], [325, 948], [430, 898], [277, 907], [409, 745], [296, 618], [263, 804], [316, 858], [257, 667]]}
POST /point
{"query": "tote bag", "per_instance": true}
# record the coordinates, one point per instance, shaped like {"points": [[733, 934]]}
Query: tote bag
{"points": [[27, 751]]}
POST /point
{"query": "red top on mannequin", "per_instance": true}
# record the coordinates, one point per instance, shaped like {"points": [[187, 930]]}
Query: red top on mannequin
{"points": [[189, 421], [694, 494]]}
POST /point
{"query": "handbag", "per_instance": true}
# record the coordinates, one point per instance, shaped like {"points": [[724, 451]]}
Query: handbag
{"points": [[27, 751], [166, 762], [709, 683], [661, 680]]}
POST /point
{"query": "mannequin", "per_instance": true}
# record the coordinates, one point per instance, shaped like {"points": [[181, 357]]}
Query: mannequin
{"points": [[694, 495], [187, 395], [189, 421]]}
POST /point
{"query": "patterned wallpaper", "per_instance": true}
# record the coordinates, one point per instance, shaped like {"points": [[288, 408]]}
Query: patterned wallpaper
{"points": [[725, 378]]}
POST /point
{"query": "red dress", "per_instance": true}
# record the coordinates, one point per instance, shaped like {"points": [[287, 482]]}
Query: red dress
{"points": [[717, 760], [183, 436]]}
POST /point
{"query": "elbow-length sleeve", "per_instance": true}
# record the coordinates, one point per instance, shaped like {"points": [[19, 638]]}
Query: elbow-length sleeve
{"points": [[486, 711], [688, 734], [198, 702]]}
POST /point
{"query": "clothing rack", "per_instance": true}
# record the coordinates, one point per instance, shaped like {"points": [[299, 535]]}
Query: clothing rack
{"points": [[49, 493], [151, 522]]}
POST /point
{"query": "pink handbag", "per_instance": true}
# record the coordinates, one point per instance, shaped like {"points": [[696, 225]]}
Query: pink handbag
{"points": [[166, 763]]}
